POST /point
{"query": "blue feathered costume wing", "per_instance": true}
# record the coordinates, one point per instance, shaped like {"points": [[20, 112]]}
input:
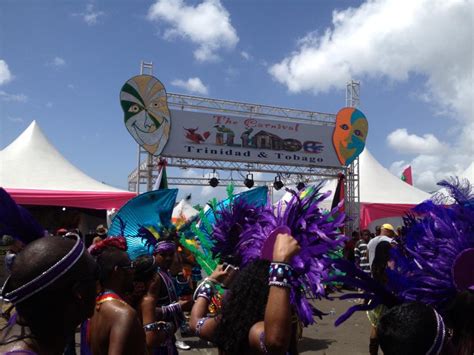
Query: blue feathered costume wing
{"points": [[142, 220]]}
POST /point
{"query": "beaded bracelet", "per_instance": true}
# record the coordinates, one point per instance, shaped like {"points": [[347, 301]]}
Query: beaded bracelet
{"points": [[199, 325], [261, 339], [280, 275], [159, 326], [205, 289], [171, 310]]}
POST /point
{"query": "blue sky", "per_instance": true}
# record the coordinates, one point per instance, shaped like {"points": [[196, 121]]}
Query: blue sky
{"points": [[63, 63]]}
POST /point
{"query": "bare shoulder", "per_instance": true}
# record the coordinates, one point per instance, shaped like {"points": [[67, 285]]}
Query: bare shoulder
{"points": [[121, 310], [254, 335]]}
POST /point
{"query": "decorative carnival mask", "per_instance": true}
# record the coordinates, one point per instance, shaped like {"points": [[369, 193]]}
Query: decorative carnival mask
{"points": [[147, 117], [349, 134]]}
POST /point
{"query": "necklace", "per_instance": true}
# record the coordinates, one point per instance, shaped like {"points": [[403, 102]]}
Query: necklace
{"points": [[107, 296]]}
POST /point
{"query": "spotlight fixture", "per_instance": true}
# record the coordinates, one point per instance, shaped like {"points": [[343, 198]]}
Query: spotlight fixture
{"points": [[301, 185], [214, 181], [249, 181], [277, 184]]}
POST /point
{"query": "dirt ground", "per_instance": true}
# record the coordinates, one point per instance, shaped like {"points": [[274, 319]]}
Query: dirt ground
{"points": [[322, 338], [352, 337]]}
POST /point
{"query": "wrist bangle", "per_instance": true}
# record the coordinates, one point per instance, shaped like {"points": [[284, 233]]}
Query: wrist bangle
{"points": [[158, 326], [261, 339], [280, 275], [171, 311], [206, 289], [199, 325]]}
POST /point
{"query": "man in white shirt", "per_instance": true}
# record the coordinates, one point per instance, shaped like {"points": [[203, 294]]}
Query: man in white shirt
{"points": [[387, 233]]}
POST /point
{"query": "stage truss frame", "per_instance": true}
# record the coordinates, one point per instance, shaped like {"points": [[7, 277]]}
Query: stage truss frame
{"points": [[144, 176]]}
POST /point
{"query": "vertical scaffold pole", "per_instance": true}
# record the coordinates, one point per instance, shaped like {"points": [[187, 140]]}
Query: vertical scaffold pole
{"points": [[145, 168], [352, 186]]}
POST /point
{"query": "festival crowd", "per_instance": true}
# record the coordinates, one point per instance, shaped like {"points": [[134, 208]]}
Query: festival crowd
{"points": [[267, 266]]}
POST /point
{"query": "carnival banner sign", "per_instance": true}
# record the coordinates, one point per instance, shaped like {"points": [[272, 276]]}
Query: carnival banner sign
{"points": [[239, 138], [199, 135]]}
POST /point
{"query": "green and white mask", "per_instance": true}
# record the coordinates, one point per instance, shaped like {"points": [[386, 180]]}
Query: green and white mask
{"points": [[147, 117]]}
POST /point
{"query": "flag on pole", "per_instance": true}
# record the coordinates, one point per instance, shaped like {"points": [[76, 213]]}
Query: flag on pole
{"points": [[162, 180], [406, 176]]}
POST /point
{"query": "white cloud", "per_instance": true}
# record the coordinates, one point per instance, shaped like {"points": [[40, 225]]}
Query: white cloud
{"points": [[91, 15], [5, 96], [427, 170], [15, 119], [206, 24], [403, 142], [5, 74], [393, 39], [58, 62], [192, 85], [245, 55]]}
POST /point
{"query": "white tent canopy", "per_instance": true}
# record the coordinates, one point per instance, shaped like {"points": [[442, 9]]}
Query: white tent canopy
{"points": [[34, 172], [32, 162], [469, 173], [183, 210], [378, 185], [381, 193]]}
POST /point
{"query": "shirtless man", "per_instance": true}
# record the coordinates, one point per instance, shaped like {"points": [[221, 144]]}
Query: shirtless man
{"points": [[115, 327], [52, 286]]}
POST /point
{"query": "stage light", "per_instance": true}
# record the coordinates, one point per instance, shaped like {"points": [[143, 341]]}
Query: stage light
{"points": [[301, 185], [214, 181], [278, 184], [64, 209], [249, 181]]}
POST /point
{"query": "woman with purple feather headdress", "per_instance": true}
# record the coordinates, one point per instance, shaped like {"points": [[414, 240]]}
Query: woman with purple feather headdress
{"points": [[434, 272], [280, 251]]}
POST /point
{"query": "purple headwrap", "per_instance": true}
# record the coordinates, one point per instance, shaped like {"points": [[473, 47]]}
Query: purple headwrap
{"points": [[47, 277], [165, 246]]}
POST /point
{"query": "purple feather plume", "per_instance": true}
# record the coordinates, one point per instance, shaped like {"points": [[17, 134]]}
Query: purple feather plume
{"points": [[435, 235], [230, 232], [434, 239], [16, 221], [316, 233], [374, 291]]}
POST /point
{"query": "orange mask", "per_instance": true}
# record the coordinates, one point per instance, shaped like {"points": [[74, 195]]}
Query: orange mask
{"points": [[349, 134]]}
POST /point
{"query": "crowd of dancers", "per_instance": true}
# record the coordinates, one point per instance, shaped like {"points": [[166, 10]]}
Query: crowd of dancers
{"points": [[264, 269]]}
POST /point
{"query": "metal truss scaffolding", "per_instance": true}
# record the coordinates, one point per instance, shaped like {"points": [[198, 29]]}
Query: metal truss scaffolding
{"points": [[352, 200], [144, 176], [147, 168]]}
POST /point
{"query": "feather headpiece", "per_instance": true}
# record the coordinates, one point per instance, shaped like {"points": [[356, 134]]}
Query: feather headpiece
{"points": [[433, 262], [217, 236], [16, 221], [441, 241], [317, 233], [233, 218], [145, 220]]}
